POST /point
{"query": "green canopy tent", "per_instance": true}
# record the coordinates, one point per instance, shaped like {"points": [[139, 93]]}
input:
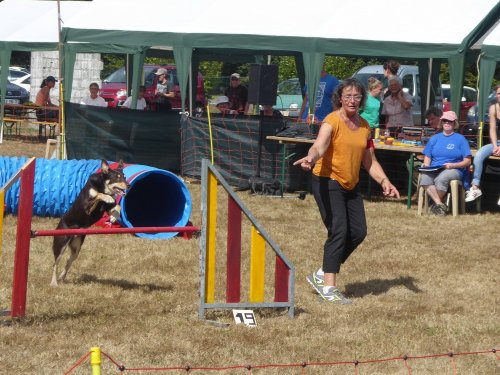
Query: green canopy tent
{"points": [[197, 24]]}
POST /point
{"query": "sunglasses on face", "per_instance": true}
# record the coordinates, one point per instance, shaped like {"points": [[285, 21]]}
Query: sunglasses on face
{"points": [[448, 122], [235, 79]]}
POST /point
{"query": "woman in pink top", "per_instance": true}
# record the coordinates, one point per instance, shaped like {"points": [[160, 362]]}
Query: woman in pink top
{"points": [[51, 111]]}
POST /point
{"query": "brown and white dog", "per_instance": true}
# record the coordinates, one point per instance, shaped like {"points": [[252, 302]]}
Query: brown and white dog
{"points": [[97, 196]]}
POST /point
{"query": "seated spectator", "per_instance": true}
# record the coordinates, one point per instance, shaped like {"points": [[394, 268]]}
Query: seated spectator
{"points": [[486, 151], [223, 106], [268, 110], [237, 94], [94, 99], [50, 112], [397, 106], [141, 102], [450, 152], [433, 116]]}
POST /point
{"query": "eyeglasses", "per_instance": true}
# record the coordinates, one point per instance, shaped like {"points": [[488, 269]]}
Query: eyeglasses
{"points": [[356, 98]]}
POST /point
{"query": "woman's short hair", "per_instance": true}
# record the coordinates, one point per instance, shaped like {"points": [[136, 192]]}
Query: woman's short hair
{"points": [[349, 82], [395, 78]]}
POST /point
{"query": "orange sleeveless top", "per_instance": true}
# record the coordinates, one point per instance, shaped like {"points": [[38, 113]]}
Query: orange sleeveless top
{"points": [[342, 160]]}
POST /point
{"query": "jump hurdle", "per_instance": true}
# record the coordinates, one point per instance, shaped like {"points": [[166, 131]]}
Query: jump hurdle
{"points": [[26, 176], [284, 272]]}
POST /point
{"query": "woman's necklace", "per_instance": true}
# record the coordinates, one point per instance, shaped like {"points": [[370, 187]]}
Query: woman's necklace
{"points": [[351, 122]]}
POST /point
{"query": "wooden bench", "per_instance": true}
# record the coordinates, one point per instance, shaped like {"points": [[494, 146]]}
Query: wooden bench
{"points": [[16, 115]]}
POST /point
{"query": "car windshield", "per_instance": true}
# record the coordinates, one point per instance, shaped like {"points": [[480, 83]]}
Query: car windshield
{"points": [[118, 76], [467, 95], [289, 87]]}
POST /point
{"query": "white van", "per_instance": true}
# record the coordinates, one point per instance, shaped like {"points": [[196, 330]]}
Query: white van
{"points": [[411, 84]]}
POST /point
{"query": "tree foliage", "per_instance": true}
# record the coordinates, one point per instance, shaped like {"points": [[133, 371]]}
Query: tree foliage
{"points": [[215, 71]]}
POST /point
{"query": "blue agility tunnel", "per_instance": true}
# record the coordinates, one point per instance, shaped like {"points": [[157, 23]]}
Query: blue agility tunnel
{"points": [[156, 197]]}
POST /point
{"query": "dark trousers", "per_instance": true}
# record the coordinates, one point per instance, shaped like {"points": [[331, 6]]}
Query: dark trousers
{"points": [[343, 214], [163, 107]]}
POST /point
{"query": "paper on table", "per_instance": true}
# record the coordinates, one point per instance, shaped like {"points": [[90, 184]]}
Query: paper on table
{"points": [[431, 169]]}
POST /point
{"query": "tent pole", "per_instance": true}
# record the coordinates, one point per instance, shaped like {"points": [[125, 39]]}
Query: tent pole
{"points": [[62, 149], [190, 79], [429, 82], [478, 103]]}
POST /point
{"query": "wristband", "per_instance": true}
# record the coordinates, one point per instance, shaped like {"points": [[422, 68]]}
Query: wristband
{"points": [[382, 180]]}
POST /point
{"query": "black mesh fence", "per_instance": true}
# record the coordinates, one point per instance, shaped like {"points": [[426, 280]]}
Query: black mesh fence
{"points": [[137, 137], [241, 151]]}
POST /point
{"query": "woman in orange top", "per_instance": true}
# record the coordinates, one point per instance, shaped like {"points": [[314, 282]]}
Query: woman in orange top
{"points": [[342, 146]]}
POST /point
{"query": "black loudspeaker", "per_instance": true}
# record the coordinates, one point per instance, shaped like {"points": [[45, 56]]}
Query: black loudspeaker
{"points": [[263, 85]]}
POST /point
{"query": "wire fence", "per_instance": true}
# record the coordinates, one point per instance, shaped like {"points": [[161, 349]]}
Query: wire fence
{"points": [[405, 361]]}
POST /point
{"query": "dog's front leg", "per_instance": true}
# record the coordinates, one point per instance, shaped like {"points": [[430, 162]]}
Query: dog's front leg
{"points": [[114, 214], [96, 198]]}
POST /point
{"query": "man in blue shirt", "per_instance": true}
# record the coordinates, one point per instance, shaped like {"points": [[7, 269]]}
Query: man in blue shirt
{"points": [[324, 105]]}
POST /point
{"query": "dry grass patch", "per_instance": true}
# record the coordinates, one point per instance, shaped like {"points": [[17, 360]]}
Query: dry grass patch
{"points": [[420, 285]]}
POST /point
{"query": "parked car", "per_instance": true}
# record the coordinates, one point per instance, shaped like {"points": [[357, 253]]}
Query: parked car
{"points": [[24, 82], [16, 72], [469, 99], [411, 84], [114, 87], [289, 99], [16, 94], [19, 76]]}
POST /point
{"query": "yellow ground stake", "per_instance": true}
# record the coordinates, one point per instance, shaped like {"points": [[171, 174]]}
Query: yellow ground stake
{"points": [[95, 360], [257, 266]]}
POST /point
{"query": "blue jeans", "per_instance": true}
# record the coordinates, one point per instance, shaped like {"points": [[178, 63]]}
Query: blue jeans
{"points": [[482, 154]]}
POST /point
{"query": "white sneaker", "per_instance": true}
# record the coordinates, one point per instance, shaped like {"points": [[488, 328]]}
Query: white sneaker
{"points": [[472, 194]]}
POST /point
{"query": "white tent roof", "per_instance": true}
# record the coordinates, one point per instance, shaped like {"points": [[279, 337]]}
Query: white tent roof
{"points": [[425, 21]]}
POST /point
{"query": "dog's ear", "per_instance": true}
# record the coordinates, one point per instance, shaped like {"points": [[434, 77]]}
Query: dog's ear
{"points": [[120, 164], [104, 166]]}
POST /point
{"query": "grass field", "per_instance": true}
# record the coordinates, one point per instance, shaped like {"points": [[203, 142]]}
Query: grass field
{"points": [[420, 286]]}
